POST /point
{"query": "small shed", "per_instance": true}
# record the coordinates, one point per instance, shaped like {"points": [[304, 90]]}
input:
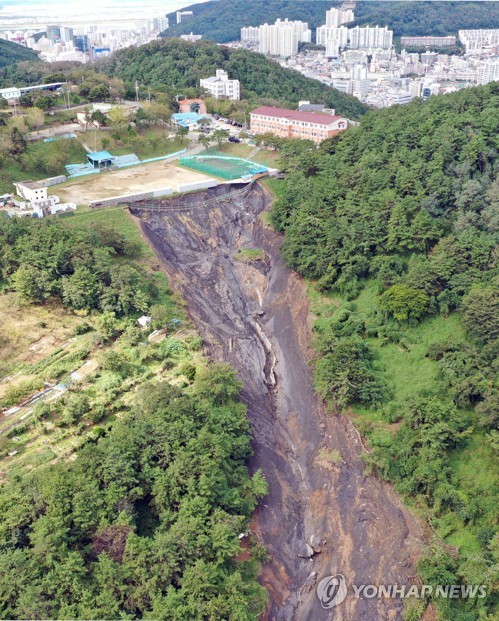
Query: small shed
{"points": [[100, 159]]}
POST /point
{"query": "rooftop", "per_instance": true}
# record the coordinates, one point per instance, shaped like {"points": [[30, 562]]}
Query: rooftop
{"points": [[296, 115], [31, 185], [100, 156], [311, 108]]}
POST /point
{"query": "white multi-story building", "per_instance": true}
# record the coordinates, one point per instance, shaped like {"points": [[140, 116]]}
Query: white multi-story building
{"points": [[330, 33], [67, 34], [183, 16], [476, 40], [160, 23], [428, 41], [336, 17], [192, 38], [487, 71], [250, 34], [415, 88], [220, 87], [336, 39], [282, 38], [370, 37]]}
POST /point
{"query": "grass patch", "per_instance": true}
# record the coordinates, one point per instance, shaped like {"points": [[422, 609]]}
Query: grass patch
{"points": [[248, 255], [33, 332], [116, 218], [409, 371], [264, 156], [40, 160], [152, 142]]}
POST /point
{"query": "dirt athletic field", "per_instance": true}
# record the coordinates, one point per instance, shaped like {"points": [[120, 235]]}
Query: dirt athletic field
{"points": [[130, 180]]}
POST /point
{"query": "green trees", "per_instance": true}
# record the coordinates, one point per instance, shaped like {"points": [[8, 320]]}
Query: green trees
{"points": [[205, 140], [222, 23], [145, 522], [172, 64], [11, 53], [404, 302], [73, 265], [481, 313], [220, 136], [398, 217], [392, 188]]}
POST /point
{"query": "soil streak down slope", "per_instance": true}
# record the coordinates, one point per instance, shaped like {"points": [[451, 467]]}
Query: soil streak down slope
{"points": [[320, 518]]}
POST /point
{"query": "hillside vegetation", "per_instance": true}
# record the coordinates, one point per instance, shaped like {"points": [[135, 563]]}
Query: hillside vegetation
{"points": [[222, 20], [396, 223], [11, 53], [125, 484], [175, 65]]}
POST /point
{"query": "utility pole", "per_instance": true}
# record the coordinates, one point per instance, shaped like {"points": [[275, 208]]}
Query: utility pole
{"points": [[136, 91]]}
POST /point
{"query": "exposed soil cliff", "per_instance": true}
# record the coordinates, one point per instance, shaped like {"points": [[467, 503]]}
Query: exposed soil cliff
{"points": [[322, 515]]}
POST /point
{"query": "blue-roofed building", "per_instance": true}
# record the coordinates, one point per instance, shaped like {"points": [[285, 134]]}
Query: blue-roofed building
{"points": [[187, 119], [100, 159]]}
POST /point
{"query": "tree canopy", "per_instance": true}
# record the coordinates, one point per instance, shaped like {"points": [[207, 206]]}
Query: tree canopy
{"points": [[221, 21], [396, 221], [11, 53], [145, 522], [173, 65]]}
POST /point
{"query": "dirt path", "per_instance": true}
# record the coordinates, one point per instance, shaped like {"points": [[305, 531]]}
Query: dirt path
{"points": [[320, 518]]}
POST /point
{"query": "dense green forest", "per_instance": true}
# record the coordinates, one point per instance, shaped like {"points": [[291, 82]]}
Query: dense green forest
{"points": [[76, 266], [11, 53], [396, 221], [145, 522], [222, 20], [141, 519], [174, 65]]}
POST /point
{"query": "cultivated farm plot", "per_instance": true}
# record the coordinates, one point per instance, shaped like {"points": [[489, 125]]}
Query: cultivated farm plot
{"points": [[141, 178]]}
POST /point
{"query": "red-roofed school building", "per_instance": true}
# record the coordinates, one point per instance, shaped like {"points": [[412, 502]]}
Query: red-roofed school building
{"points": [[296, 124]]}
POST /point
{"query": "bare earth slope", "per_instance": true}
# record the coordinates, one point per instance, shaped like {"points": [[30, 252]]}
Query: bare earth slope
{"points": [[322, 516]]}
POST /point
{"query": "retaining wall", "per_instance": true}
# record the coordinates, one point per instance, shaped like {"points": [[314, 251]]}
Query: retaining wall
{"points": [[200, 185], [130, 198], [52, 181]]}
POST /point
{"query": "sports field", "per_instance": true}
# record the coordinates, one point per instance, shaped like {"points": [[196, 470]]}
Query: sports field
{"points": [[143, 178], [222, 165]]}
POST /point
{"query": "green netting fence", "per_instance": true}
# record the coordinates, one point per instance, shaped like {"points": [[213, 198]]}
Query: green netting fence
{"points": [[224, 166]]}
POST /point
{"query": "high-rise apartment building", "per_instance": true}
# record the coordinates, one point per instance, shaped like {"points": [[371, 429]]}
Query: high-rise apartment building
{"points": [[67, 34], [335, 36], [283, 37], [336, 17], [475, 40], [250, 34], [428, 41], [160, 24], [53, 33], [370, 37], [487, 71], [183, 16]]}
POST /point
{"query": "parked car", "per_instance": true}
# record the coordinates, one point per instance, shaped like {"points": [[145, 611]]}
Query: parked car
{"points": [[233, 139]]}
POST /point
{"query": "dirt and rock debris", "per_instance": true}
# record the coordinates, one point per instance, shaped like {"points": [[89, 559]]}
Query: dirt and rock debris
{"points": [[322, 516]]}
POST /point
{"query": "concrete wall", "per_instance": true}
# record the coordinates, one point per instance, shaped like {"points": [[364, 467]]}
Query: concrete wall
{"points": [[162, 192], [200, 185], [130, 198], [52, 181]]}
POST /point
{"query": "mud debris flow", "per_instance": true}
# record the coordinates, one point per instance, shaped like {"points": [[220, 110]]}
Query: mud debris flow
{"points": [[320, 517]]}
